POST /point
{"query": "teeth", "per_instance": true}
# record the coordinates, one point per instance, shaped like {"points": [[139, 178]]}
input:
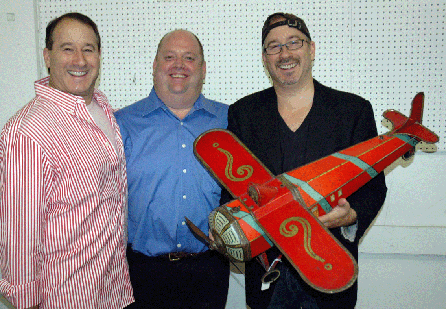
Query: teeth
{"points": [[178, 75], [288, 66], [77, 73]]}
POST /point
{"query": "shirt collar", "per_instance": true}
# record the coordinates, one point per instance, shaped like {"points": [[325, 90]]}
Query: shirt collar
{"points": [[155, 102], [69, 102]]}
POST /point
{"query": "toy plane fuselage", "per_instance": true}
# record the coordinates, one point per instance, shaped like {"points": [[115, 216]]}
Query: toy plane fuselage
{"points": [[283, 210]]}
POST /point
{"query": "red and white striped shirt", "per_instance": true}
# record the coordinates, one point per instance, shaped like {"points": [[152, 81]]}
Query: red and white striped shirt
{"points": [[63, 197]]}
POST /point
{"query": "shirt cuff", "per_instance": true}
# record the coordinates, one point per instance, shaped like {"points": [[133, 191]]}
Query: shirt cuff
{"points": [[21, 296], [349, 232]]}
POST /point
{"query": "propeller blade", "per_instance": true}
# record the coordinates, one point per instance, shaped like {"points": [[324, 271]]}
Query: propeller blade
{"points": [[198, 232]]}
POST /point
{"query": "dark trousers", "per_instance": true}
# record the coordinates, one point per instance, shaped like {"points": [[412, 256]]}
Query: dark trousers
{"points": [[201, 281]]}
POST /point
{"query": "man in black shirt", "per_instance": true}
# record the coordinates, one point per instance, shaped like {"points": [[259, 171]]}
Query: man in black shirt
{"points": [[295, 122]]}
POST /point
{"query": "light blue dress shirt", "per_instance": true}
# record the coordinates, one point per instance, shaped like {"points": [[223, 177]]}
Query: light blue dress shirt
{"points": [[165, 180]]}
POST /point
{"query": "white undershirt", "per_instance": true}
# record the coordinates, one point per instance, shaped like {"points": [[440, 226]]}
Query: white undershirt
{"points": [[102, 121]]}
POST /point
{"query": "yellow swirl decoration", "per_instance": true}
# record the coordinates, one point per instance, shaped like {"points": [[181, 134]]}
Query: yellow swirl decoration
{"points": [[293, 230], [245, 171]]}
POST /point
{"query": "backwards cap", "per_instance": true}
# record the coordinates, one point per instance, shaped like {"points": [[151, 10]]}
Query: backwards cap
{"points": [[290, 21]]}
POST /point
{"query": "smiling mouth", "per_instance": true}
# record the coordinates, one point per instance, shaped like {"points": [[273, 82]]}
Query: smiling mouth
{"points": [[178, 76], [287, 66], [76, 73]]}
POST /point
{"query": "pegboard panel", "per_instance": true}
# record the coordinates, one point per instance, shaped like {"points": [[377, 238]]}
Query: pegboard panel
{"points": [[399, 50], [385, 51]]}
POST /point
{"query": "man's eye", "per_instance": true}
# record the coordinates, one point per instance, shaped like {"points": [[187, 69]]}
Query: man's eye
{"points": [[190, 58], [273, 47]]}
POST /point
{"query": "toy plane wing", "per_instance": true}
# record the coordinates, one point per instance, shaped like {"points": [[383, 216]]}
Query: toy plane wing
{"points": [[230, 161]]}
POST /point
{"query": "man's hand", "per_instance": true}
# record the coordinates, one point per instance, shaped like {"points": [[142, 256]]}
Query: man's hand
{"points": [[341, 215]]}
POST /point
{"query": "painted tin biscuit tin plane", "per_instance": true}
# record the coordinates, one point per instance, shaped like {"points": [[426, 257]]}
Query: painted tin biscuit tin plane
{"points": [[282, 210]]}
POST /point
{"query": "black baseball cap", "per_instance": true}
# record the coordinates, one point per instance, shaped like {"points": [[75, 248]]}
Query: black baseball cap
{"points": [[290, 21]]}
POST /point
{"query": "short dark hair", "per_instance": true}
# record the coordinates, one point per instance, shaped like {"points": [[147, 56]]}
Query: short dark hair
{"points": [[281, 19], [198, 40], [73, 15]]}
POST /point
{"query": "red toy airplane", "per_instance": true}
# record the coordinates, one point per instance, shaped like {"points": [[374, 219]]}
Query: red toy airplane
{"points": [[283, 210]]}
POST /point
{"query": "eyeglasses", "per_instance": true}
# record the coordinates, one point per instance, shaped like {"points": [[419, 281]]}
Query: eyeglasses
{"points": [[276, 48]]}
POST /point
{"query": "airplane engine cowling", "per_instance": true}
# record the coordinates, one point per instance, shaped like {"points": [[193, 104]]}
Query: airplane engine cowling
{"points": [[235, 233]]}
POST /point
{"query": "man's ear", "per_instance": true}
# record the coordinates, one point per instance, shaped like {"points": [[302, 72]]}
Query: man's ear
{"points": [[263, 58], [313, 50], [46, 57], [153, 66], [204, 69]]}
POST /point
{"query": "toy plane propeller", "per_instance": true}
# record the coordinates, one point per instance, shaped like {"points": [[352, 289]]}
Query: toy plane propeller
{"points": [[282, 210]]}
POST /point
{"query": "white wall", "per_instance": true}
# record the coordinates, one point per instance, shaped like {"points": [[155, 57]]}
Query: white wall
{"points": [[402, 258], [401, 281], [18, 56]]}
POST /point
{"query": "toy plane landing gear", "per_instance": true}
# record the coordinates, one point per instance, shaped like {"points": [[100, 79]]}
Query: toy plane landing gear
{"points": [[283, 210]]}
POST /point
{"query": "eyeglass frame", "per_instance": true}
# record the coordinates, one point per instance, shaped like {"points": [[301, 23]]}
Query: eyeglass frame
{"points": [[287, 47]]}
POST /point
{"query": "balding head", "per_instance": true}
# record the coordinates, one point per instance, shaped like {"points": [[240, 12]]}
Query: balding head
{"points": [[163, 39]]}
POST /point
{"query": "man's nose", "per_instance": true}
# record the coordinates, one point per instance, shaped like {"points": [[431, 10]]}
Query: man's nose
{"points": [[179, 62], [79, 58], [285, 52]]}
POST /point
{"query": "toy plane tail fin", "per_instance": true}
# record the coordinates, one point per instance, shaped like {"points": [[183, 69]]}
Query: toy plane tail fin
{"points": [[411, 125]]}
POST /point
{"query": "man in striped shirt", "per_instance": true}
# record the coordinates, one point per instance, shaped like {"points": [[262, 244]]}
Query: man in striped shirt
{"points": [[63, 184]]}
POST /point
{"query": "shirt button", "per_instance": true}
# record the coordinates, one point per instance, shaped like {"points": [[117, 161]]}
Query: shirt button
{"points": [[183, 223], [181, 123], [184, 197], [184, 145], [184, 171], [179, 246]]}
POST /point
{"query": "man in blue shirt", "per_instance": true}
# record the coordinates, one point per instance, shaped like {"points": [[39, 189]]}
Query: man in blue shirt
{"points": [[169, 266]]}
